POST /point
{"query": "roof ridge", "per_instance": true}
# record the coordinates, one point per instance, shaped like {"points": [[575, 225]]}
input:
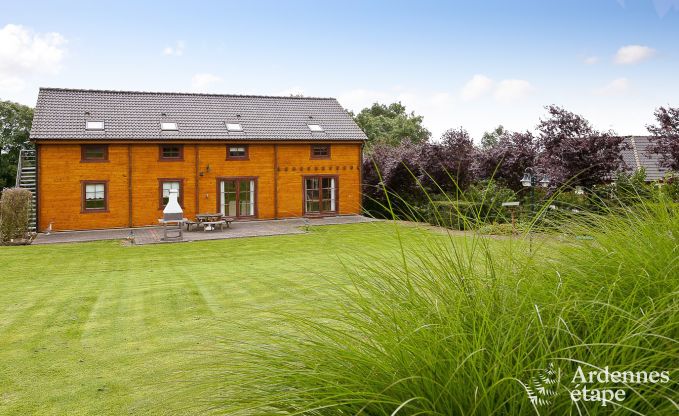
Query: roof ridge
{"points": [[185, 93]]}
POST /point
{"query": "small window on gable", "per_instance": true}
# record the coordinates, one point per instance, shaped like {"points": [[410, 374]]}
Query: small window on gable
{"points": [[320, 151], [168, 126], [171, 152], [94, 153], [239, 151], [234, 127], [315, 128], [94, 125]]}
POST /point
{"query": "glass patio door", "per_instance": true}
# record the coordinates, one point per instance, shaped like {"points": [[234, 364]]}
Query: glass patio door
{"points": [[320, 195], [237, 197]]}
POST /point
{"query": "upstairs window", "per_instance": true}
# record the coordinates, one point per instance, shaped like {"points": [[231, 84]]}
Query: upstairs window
{"points": [[234, 127], [94, 125], [95, 196], [238, 152], [168, 126], [315, 128], [94, 153], [320, 151], [171, 152]]}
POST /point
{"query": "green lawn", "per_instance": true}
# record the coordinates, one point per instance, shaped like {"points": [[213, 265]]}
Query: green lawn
{"points": [[102, 328]]}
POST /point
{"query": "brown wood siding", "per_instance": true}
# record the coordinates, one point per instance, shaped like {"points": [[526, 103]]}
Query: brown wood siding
{"points": [[61, 176], [147, 169], [61, 173], [294, 162]]}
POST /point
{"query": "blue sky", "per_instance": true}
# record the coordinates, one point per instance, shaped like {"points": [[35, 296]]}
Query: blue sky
{"points": [[474, 64]]}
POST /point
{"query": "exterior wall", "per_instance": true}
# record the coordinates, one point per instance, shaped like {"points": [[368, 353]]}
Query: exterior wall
{"points": [[294, 164], [60, 188], [147, 169], [278, 168]]}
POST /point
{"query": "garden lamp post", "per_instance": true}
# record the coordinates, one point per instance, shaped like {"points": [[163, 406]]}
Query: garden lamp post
{"points": [[530, 180]]}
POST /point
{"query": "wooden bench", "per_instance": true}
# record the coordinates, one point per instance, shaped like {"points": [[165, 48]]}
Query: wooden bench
{"points": [[211, 225]]}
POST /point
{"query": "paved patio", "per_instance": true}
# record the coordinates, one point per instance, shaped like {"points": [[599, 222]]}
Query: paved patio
{"points": [[152, 235]]}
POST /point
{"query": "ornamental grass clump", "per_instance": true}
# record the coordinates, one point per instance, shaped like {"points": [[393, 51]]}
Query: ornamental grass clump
{"points": [[15, 214], [467, 325]]}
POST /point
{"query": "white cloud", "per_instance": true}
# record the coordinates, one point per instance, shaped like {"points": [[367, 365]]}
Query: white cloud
{"points": [[616, 87], [24, 53], [11, 84], [478, 86], [202, 81], [176, 50], [591, 60], [633, 54], [509, 90]]}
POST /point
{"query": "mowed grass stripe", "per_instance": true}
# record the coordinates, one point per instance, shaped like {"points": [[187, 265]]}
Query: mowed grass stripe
{"points": [[103, 328]]}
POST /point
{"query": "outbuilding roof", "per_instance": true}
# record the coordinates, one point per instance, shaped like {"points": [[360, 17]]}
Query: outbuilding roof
{"points": [[62, 114], [638, 156]]}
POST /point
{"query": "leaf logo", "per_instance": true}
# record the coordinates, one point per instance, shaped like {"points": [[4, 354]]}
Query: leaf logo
{"points": [[542, 387]]}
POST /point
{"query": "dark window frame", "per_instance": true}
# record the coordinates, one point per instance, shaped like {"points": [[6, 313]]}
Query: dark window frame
{"points": [[238, 179], [320, 196], [160, 191], [163, 158], [83, 152], [83, 193], [313, 147], [244, 157]]}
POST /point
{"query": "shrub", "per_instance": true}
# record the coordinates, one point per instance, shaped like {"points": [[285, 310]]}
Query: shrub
{"points": [[15, 214], [462, 325]]}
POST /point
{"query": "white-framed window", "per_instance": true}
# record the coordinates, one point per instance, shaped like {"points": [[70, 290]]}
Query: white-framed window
{"points": [[315, 128], [94, 125], [234, 127], [168, 126]]}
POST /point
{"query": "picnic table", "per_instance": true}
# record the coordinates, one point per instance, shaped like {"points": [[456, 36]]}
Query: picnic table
{"points": [[210, 221]]}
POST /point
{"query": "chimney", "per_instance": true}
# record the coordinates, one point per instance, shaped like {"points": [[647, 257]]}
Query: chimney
{"points": [[172, 211]]}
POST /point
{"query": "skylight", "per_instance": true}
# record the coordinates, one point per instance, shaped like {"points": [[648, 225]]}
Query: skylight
{"points": [[166, 125], [315, 128], [234, 127], [94, 125]]}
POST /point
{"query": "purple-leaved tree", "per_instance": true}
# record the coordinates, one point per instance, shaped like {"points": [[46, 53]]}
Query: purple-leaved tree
{"points": [[506, 159], [572, 152], [448, 164], [665, 139]]}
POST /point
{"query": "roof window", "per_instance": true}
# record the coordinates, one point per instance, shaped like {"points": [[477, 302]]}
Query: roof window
{"points": [[315, 128], [166, 125], [234, 127], [94, 125]]}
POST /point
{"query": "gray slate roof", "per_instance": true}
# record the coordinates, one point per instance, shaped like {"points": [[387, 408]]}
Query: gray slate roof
{"points": [[638, 156], [60, 114]]}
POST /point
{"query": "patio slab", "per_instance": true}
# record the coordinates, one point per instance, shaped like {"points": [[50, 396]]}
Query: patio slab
{"points": [[153, 235]]}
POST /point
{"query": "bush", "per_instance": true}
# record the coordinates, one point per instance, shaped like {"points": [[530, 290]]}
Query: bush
{"points": [[15, 215], [463, 326], [478, 205]]}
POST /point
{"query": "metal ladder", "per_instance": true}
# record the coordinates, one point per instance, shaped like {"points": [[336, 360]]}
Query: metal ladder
{"points": [[27, 178]]}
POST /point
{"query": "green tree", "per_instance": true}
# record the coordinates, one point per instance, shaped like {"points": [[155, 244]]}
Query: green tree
{"points": [[15, 127], [491, 138], [391, 124]]}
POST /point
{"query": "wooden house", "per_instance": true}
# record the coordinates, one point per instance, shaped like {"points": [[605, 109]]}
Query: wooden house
{"points": [[107, 159]]}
